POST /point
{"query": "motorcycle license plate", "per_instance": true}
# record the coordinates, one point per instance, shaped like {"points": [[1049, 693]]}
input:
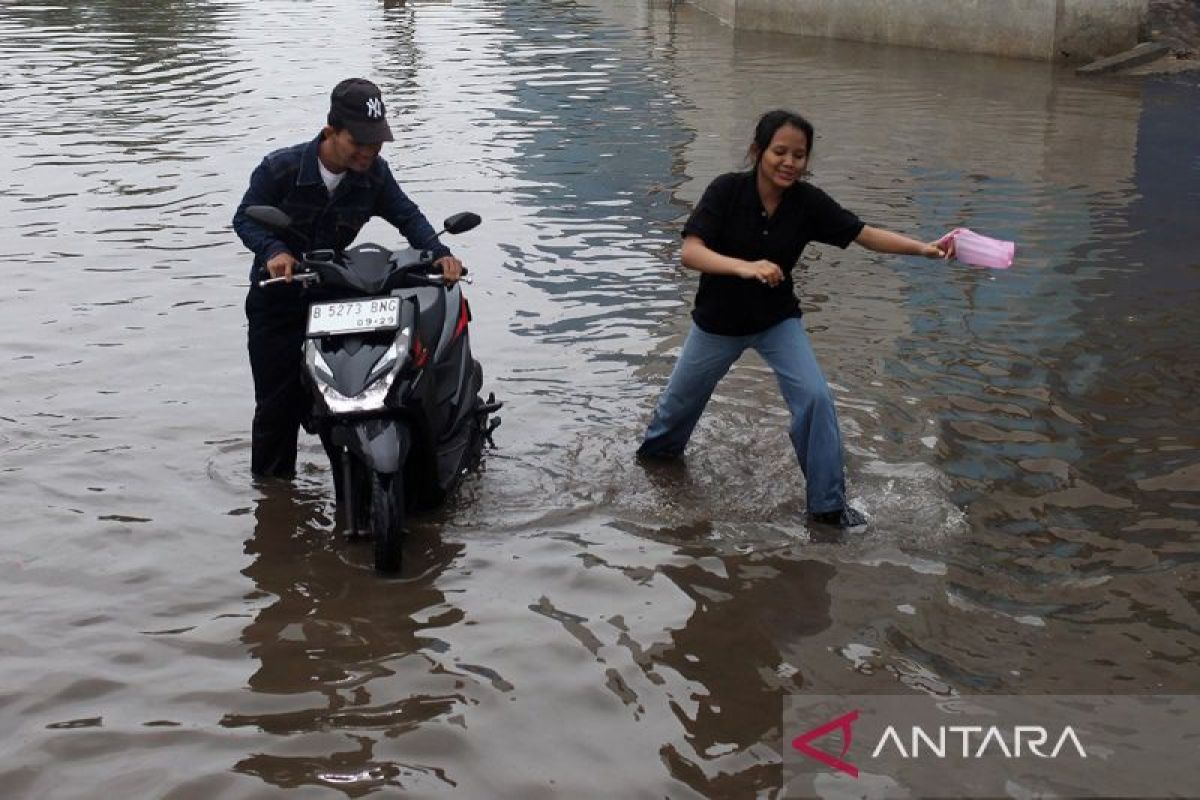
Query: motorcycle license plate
{"points": [[354, 316]]}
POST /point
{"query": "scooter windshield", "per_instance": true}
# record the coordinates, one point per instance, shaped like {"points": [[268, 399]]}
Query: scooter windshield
{"points": [[368, 268]]}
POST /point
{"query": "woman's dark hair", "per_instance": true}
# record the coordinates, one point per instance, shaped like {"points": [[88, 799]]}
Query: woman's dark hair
{"points": [[772, 121]]}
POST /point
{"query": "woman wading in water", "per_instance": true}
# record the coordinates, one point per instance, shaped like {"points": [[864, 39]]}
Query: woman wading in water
{"points": [[745, 236]]}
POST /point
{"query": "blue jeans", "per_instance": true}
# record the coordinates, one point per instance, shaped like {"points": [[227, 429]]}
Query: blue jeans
{"points": [[705, 359]]}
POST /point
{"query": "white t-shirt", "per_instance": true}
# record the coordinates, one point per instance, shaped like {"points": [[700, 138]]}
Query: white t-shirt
{"points": [[332, 179]]}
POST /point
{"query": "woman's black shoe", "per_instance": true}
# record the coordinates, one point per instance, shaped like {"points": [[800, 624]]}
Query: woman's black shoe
{"points": [[842, 518]]}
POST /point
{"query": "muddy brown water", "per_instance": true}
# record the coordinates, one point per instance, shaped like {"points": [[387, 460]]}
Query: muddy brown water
{"points": [[1025, 442]]}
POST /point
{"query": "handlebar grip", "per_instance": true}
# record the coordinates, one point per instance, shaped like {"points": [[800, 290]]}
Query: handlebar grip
{"points": [[302, 277], [438, 279]]}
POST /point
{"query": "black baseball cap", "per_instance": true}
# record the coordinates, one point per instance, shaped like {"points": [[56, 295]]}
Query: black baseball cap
{"points": [[356, 105]]}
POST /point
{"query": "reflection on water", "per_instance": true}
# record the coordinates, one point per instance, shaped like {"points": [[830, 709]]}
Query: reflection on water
{"points": [[335, 653], [1024, 441]]}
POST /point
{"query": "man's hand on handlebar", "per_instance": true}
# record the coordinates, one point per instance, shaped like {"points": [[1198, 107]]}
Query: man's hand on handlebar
{"points": [[281, 265], [451, 267]]}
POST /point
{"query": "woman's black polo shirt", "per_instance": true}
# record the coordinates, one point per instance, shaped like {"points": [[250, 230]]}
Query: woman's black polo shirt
{"points": [[730, 219]]}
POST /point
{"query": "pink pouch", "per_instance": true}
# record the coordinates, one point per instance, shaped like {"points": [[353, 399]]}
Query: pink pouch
{"points": [[979, 251]]}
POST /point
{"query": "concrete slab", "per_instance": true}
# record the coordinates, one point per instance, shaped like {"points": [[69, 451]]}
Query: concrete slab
{"points": [[1046, 30], [1133, 57]]}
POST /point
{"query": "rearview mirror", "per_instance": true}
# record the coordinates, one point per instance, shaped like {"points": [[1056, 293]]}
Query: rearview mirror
{"points": [[462, 222], [270, 216]]}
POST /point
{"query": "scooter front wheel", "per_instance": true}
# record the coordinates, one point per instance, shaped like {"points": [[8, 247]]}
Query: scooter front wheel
{"points": [[387, 519]]}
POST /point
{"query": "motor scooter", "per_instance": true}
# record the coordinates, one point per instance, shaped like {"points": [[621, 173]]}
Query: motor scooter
{"points": [[387, 357]]}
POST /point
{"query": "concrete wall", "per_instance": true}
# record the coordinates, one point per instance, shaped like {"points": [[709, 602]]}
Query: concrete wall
{"points": [[1089, 29], [1047, 30]]}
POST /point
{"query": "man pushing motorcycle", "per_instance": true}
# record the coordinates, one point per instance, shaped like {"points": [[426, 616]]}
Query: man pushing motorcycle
{"points": [[330, 187]]}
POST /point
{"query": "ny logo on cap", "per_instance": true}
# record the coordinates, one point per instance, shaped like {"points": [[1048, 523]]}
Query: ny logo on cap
{"points": [[374, 108]]}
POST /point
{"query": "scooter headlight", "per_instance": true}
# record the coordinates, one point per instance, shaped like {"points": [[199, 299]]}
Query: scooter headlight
{"points": [[378, 384], [316, 361], [386, 361]]}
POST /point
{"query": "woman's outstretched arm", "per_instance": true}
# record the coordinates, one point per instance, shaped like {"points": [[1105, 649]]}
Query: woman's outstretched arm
{"points": [[883, 241]]}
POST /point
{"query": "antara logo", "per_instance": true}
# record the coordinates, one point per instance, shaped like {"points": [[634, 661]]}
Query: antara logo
{"points": [[843, 724], [991, 739], [374, 107], [974, 742]]}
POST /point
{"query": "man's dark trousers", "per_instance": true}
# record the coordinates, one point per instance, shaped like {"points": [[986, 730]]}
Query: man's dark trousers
{"points": [[277, 318]]}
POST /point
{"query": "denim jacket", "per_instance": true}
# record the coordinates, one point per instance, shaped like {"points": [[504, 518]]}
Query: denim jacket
{"points": [[289, 179]]}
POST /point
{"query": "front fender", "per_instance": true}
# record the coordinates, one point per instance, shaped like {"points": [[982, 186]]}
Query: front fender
{"points": [[381, 444]]}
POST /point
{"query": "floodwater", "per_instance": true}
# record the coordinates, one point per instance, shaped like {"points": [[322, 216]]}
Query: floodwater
{"points": [[1025, 441]]}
